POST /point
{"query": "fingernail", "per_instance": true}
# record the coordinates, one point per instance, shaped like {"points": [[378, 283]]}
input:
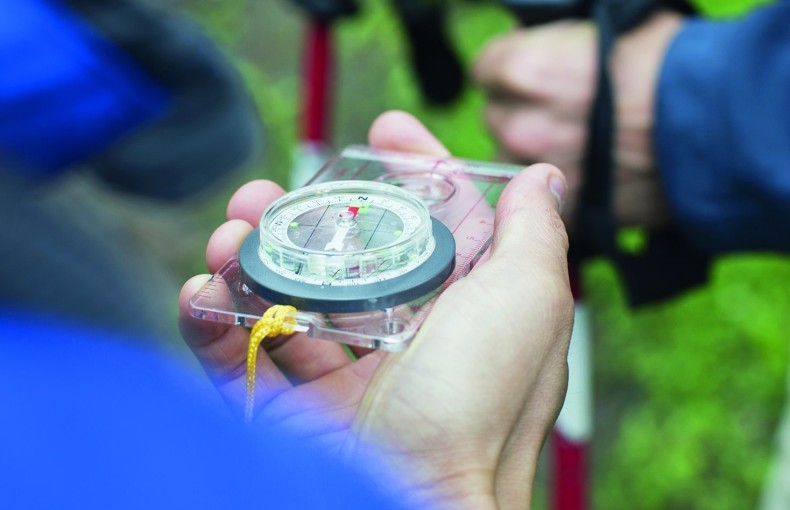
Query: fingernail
{"points": [[557, 187]]}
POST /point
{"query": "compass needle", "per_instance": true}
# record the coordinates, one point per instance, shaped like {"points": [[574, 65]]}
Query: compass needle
{"points": [[337, 242]]}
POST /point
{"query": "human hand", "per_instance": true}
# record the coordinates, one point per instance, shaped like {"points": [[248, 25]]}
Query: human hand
{"points": [[540, 84], [458, 419]]}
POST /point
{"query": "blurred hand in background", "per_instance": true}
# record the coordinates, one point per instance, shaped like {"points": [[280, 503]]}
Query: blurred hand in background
{"points": [[540, 84]]}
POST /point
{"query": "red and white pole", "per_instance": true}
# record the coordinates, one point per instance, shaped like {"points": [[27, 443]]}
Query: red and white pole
{"points": [[573, 430], [312, 150]]}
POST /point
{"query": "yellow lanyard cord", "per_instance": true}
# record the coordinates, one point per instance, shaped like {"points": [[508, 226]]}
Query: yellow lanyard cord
{"points": [[276, 321]]}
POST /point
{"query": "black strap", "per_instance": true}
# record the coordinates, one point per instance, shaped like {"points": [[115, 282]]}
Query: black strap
{"points": [[596, 225], [434, 61], [669, 265]]}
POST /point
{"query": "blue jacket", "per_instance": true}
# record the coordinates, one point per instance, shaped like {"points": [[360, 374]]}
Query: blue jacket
{"points": [[90, 420], [66, 91], [723, 131], [132, 89]]}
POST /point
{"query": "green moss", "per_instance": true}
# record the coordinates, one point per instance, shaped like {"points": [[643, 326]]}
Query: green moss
{"points": [[705, 383]]}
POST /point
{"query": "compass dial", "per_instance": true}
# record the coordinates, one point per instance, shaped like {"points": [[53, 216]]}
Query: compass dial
{"points": [[373, 237]]}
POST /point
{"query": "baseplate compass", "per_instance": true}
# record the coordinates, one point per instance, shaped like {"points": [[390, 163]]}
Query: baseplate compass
{"points": [[365, 250]]}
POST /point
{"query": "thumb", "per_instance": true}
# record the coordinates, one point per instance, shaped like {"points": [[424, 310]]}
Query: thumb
{"points": [[529, 234]]}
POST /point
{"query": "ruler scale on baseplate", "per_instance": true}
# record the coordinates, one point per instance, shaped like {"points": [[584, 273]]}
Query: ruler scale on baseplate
{"points": [[469, 248], [365, 249]]}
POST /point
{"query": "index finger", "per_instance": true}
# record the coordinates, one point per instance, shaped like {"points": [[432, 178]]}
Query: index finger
{"points": [[249, 201], [244, 212]]}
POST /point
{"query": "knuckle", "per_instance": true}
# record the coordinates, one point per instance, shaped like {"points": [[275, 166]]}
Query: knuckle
{"points": [[513, 139]]}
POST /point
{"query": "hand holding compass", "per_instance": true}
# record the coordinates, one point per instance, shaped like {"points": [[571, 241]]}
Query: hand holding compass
{"points": [[494, 345]]}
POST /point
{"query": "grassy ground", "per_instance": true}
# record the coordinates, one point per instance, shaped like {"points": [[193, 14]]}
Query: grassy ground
{"points": [[687, 392]]}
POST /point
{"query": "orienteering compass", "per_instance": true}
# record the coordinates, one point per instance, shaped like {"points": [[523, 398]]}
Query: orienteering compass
{"points": [[347, 246], [365, 251]]}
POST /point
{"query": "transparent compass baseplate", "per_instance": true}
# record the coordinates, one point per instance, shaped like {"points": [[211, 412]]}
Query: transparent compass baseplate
{"points": [[461, 194]]}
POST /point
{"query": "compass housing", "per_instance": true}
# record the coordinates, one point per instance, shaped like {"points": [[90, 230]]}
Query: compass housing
{"points": [[347, 246]]}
